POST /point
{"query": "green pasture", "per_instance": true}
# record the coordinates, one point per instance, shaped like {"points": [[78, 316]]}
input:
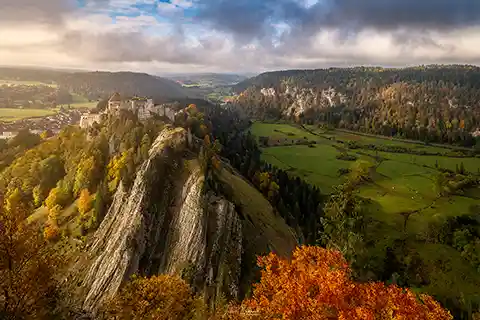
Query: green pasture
{"points": [[84, 105], [280, 130], [12, 114], [401, 182]]}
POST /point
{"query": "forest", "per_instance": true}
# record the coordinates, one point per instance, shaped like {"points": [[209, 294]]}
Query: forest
{"points": [[428, 103]]}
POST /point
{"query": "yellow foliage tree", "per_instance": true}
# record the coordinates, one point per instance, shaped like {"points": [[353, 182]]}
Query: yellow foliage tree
{"points": [[54, 213], [160, 297], [56, 197], [51, 231], [114, 169], [85, 202], [27, 268]]}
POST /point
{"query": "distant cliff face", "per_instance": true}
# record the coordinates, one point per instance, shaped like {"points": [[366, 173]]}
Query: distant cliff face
{"points": [[292, 101], [168, 223]]}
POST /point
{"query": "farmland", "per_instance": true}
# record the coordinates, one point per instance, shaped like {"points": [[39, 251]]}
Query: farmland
{"points": [[12, 114], [401, 182], [33, 99]]}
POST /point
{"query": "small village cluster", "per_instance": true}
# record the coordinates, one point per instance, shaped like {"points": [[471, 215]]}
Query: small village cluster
{"points": [[144, 108]]}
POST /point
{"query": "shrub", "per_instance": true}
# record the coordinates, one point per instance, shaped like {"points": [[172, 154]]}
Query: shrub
{"points": [[346, 157]]}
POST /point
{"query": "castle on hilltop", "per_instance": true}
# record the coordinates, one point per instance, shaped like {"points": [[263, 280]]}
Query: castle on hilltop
{"points": [[144, 109]]}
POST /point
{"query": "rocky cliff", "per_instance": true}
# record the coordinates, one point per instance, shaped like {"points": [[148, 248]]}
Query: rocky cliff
{"points": [[168, 222], [292, 101]]}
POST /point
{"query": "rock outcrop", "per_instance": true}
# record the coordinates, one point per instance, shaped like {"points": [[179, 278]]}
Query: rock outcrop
{"points": [[289, 99], [130, 226], [168, 223]]}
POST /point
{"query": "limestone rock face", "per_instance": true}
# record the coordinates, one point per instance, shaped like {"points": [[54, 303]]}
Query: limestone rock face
{"points": [[294, 101], [186, 233], [165, 224], [128, 230]]}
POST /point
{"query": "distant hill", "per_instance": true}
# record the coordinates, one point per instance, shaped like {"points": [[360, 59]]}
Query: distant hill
{"points": [[95, 85], [437, 103]]}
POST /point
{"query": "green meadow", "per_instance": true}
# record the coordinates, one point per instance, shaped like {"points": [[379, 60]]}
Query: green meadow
{"points": [[12, 114], [401, 182], [402, 201]]}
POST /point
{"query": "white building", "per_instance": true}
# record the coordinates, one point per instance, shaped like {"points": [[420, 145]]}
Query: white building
{"points": [[114, 102], [144, 108], [88, 119], [165, 111], [8, 135], [476, 133]]}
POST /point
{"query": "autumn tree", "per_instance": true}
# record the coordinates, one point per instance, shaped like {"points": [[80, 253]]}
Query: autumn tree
{"points": [[57, 196], [85, 202], [160, 297], [316, 284], [27, 268]]}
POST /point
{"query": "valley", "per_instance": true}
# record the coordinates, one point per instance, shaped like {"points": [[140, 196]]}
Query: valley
{"points": [[400, 182], [178, 189], [406, 194]]}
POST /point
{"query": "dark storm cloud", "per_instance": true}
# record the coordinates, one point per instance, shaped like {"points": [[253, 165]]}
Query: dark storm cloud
{"points": [[251, 18], [247, 19], [392, 14]]}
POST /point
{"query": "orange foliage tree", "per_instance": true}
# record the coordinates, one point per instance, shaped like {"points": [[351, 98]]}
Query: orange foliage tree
{"points": [[316, 284]]}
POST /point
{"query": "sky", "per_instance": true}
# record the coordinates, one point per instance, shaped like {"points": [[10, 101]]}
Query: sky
{"points": [[157, 36]]}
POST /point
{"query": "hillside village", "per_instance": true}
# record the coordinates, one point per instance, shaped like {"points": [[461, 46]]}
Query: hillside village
{"points": [[53, 123], [144, 108]]}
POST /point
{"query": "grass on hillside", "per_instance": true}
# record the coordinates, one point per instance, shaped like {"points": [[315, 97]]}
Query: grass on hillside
{"points": [[84, 105], [12, 114], [258, 212], [280, 130]]}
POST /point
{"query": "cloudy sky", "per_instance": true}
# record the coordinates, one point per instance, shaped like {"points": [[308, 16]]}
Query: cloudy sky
{"points": [[237, 35]]}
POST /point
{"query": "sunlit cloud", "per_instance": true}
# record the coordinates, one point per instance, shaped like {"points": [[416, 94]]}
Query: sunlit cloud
{"points": [[237, 35]]}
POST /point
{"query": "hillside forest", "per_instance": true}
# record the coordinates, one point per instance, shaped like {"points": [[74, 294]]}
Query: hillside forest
{"points": [[428, 103]]}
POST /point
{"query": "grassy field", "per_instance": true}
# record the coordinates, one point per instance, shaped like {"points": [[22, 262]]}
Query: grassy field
{"points": [[84, 105], [402, 182], [26, 83], [11, 114], [403, 185], [14, 114]]}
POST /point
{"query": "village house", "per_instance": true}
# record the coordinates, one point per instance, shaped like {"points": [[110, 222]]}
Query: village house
{"points": [[88, 119], [476, 133], [8, 134], [114, 102]]}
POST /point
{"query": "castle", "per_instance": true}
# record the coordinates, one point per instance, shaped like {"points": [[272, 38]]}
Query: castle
{"points": [[142, 107]]}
